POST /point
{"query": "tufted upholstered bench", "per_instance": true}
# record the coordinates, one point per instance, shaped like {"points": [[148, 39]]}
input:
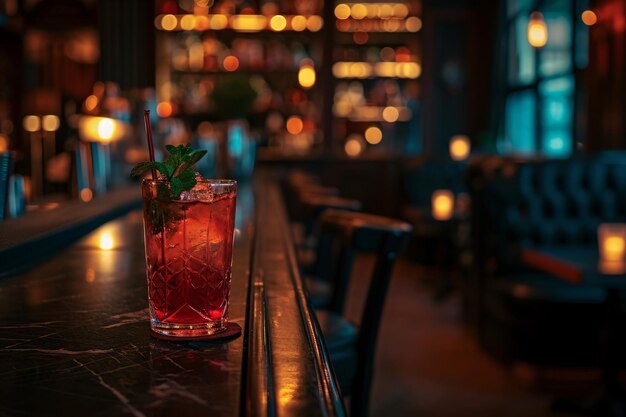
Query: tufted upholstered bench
{"points": [[522, 314]]}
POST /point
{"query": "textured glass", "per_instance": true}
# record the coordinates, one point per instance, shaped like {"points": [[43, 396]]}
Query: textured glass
{"points": [[189, 257]]}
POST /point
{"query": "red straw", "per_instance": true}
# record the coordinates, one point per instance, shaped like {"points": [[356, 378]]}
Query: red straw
{"points": [[146, 115]]}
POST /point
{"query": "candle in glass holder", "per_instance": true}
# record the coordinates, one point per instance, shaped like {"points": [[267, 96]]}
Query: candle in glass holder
{"points": [[460, 147], [612, 242], [442, 203]]}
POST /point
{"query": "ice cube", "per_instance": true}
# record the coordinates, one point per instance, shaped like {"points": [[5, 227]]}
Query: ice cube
{"points": [[186, 196], [202, 190]]}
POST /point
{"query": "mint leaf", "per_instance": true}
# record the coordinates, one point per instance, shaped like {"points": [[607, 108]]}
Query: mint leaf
{"points": [[177, 168], [184, 181], [190, 160], [142, 167]]}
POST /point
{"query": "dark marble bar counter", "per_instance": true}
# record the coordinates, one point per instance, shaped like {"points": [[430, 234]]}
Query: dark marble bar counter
{"points": [[74, 332]]}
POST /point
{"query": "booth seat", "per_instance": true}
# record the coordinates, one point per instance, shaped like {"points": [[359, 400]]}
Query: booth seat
{"points": [[521, 314]]}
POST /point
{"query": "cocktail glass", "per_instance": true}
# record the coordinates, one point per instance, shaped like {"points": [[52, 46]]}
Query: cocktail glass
{"points": [[189, 246]]}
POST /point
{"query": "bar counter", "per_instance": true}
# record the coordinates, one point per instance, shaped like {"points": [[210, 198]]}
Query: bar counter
{"points": [[75, 340]]}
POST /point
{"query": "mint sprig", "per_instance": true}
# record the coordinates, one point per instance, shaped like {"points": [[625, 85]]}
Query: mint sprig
{"points": [[177, 168]]}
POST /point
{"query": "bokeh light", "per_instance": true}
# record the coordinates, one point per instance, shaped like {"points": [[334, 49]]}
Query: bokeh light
{"points": [[413, 24], [298, 23], [589, 18], [278, 23], [248, 22], [353, 146], [106, 128], [295, 125], [164, 109], [50, 123], [219, 22], [106, 241], [442, 202], [169, 22], [459, 147], [373, 135], [358, 11], [4, 143], [360, 38], [537, 30], [314, 23], [342, 11], [91, 103], [202, 23], [306, 76], [86, 195], [31, 123], [231, 63], [390, 114], [188, 22]]}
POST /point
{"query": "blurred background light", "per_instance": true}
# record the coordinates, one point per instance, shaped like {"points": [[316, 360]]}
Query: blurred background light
{"points": [[373, 135], [537, 30]]}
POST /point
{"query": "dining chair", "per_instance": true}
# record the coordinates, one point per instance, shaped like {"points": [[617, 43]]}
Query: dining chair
{"points": [[352, 347]]}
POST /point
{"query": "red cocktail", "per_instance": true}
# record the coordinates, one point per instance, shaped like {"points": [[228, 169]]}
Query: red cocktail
{"points": [[189, 245]]}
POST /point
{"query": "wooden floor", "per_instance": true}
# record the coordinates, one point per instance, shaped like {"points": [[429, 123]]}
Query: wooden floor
{"points": [[428, 364]]}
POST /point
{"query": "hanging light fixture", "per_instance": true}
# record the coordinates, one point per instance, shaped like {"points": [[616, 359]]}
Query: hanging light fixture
{"points": [[537, 30]]}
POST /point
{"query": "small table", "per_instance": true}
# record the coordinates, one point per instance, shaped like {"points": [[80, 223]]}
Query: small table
{"points": [[580, 265]]}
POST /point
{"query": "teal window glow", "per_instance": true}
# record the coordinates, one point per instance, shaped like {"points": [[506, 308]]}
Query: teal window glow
{"points": [[540, 88], [520, 122]]}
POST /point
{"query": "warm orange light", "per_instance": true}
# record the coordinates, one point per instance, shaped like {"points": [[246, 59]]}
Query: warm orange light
{"points": [[106, 128], [400, 10], [537, 30], [589, 18], [248, 22], [353, 146], [295, 125], [31, 123], [459, 147], [188, 22], [614, 248], [90, 275], [164, 109], [50, 123], [231, 63], [298, 23], [202, 22], [373, 135], [219, 22], [390, 114], [169, 22], [442, 203], [314, 23], [278, 23], [4, 143], [100, 129], [413, 24], [306, 76], [360, 38], [196, 56], [385, 11], [91, 102], [86, 195], [106, 241], [358, 11], [342, 11]]}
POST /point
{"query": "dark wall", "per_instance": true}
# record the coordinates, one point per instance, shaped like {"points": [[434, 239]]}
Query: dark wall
{"points": [[127, 42], [605, 78], [458, 39]]}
